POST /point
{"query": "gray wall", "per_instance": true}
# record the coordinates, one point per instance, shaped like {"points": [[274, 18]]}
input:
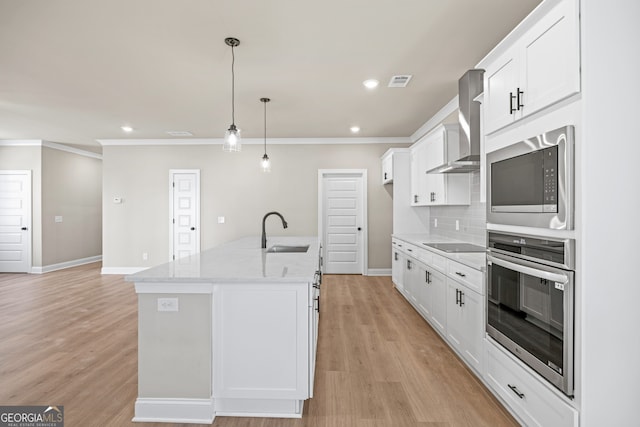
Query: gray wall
{"points": [[28, 158], [71, 188], [233, 186], [64, 184]]}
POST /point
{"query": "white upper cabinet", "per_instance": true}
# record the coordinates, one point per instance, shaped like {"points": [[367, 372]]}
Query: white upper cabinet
{"points": [[541, 68], [437, 189], [418, 175], [387, 167]]}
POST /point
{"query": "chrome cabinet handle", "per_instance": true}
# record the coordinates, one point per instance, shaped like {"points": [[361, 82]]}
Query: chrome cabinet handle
{"points": [[461, 298], [415, 198], [395, 256], [385, 175], [457, 297], [408, 264], [512, 97], [516, 391]]}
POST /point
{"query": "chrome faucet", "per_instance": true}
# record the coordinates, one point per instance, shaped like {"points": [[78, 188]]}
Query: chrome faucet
{"points": [[264, 234]]}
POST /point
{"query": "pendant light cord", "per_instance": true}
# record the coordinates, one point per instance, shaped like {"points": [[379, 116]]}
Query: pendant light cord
{"points": [[233, 88], [265, 128]]}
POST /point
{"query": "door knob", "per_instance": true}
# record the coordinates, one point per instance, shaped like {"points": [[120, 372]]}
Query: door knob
{"points": [[359, 228], [193, 228], [24, 229]]}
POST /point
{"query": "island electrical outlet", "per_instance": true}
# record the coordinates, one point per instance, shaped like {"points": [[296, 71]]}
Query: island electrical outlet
{"points": [[167, 304]]}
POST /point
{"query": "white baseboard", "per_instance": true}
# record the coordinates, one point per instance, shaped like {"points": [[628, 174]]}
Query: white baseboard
{"points": [[379, 272], [121, 270], [66, 264], [192, 411]]}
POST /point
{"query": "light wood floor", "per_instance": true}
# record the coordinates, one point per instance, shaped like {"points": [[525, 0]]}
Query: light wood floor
{"points": [[70, 338]]}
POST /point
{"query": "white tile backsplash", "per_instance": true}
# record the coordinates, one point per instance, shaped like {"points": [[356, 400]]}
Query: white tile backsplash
{"points": [[473, 218]]}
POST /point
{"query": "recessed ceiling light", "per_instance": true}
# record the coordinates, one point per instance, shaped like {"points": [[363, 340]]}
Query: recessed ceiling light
{"points": [[127, 128], [355, 129], [371, 83]]}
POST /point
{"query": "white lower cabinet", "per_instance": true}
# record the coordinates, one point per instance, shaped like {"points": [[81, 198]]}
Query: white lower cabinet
{"points": [[397, 267], [465, 322], [449, 296], [432, 297], [531, 401]]}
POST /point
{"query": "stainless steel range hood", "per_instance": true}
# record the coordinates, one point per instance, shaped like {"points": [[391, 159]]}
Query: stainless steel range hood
{"points": [[470, 86]]}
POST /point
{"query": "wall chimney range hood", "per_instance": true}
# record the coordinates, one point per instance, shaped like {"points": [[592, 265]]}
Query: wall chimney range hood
{"points": [[470, 86]]}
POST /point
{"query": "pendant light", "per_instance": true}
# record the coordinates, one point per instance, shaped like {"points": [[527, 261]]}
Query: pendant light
{"points": [[232, 135], [265, 162]]}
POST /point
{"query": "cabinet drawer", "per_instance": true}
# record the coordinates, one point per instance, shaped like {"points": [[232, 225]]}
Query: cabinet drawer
{"points": [[468, 276], [528, 398], [410, 249], [439, 262]]}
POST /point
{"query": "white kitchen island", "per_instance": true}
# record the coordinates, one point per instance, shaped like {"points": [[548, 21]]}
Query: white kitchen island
{"points": [[228, 332]]}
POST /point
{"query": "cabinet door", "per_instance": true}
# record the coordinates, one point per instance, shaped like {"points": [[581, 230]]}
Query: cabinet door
{"points": [[434, 147], [423, 291], [387, 169], [455, 319], [438, 298], [436, 189], [397, 269], [418, 176], [550, 68], [500, 84], [465, 323], [411, 280], [314, 317], [473, 328]]}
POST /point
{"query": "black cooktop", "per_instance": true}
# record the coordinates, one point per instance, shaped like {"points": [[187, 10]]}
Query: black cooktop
{"points": [[456, 247]]}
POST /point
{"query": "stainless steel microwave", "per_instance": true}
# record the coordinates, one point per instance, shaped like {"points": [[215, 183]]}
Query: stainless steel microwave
{"points": [[531, 182]]}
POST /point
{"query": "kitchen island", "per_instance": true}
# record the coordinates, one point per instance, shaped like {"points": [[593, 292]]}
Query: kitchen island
{"points": [[231, 331]]}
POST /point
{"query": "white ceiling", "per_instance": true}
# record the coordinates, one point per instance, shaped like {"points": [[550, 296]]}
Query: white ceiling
{"points": [[74, 71]]}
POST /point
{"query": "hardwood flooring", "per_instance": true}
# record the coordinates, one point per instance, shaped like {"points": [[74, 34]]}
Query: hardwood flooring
{"points": [[70, 338]]}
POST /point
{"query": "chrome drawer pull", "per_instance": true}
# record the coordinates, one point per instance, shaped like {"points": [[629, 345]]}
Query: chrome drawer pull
{"points": [[515, 390], [461, 274]]}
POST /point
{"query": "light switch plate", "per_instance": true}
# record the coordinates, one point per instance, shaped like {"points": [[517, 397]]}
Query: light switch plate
{"points": [[168, 304], [58, 218], [220, 220]]}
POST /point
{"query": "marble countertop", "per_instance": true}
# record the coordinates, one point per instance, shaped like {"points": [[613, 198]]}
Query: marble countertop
{"points": [[475, 260], [240, 261]]}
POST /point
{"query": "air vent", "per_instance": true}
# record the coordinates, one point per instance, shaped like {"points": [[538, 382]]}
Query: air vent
{"points": [[179, 133], [400, 81]]}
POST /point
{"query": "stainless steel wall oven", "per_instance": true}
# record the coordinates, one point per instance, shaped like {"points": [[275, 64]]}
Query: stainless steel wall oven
{"points": [[530, 302]]}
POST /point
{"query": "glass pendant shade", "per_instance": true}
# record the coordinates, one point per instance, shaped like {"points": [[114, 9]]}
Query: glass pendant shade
{"points": [[265, 163], [232, 135], [232, 140]]}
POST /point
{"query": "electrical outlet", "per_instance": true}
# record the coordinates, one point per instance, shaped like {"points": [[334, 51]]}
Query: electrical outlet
{"points": [[57, 218], [457, 225], [167, 304], [145, 256], [435, 223]]}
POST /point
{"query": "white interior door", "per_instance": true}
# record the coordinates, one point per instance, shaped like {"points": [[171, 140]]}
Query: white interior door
{"points": [[185, 213], [343, 225], [15, 221]]}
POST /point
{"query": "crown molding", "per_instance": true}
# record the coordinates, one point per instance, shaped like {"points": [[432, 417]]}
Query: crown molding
{"points": [[256, 141], [48, 144]]}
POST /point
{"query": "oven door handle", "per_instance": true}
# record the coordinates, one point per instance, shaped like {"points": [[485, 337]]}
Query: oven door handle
{"points": [[554, 277]]}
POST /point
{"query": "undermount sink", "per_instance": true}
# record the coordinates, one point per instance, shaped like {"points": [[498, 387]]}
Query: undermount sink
{"points": [[287, 249]]}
